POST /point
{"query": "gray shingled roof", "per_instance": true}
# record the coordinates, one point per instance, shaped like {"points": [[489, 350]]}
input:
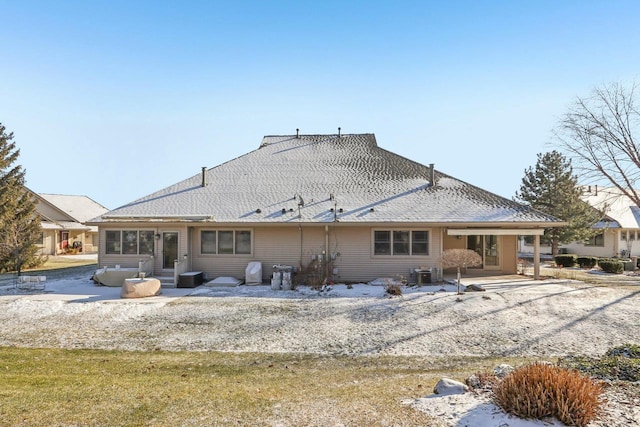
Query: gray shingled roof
{"points": [[362, 182], [79, 208]]}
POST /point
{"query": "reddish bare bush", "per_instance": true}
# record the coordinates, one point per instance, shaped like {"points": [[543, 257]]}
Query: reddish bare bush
{"points": [[543, 390]]}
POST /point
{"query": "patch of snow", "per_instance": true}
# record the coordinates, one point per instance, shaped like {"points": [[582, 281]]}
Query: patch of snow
{"points": [[472, 410], [224, 281]]}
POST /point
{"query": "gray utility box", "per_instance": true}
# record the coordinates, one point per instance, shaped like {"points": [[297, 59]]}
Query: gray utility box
{"points": [[423, 276], [190, 279]]}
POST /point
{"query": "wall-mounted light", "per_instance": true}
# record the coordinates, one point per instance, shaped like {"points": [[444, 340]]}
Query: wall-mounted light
{"points": [[157, 236], [186, 256]]}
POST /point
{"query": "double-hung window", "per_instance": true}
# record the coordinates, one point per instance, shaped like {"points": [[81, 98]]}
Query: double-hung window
{"points": [[597, 240], [225, 242], [129, 242], [401, 242]]}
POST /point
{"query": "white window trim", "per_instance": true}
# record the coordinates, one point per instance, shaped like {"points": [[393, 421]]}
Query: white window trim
{"points": [[588, 242], [121, 231], [410, 230], [217, 230]]}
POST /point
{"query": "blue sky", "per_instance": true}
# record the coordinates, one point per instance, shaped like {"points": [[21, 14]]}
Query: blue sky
{"points": [[118, 99]]}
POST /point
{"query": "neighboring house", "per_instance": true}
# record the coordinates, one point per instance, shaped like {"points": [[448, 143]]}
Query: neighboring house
{"points": [[63, 221], [618, 232], [300, 198]]}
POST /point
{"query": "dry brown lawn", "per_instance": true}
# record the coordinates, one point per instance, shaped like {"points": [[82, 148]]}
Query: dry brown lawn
{"points": [[96, 387]]}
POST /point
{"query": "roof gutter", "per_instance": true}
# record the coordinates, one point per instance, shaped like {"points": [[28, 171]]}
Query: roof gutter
{"points": [[181, 218], [495, 231]]}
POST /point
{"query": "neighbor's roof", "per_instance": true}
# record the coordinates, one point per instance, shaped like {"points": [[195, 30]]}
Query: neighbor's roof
{"points": [[65, 225], [345, 178], [620, 210], [78, 208]]}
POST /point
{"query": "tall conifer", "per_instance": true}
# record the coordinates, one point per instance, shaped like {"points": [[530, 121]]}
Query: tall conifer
{"points": [[551, 187], [19, 224]]}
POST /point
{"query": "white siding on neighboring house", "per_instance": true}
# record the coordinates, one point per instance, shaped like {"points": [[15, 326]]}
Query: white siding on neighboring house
{"points": [[611, 246]]}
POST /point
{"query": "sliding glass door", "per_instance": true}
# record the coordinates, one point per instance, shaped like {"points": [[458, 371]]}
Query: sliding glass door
{"points": [[488, 247]]}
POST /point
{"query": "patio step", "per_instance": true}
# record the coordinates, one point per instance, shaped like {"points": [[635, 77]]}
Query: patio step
{"points": [[166, 281]]}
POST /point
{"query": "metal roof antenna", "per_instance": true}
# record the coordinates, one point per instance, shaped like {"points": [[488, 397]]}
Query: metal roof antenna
{"points": [[297, 133], [339, 132]]}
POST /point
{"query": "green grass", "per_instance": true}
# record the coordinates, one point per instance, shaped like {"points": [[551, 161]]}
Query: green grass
{"points": [[95, 387], [619, 363], [54, 263]]}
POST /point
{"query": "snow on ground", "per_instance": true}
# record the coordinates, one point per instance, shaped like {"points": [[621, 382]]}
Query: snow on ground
{"points": [[473, 411], [514, 317]]}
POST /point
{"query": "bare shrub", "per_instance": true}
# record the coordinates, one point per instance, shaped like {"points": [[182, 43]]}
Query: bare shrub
{"points": [[394, 289], [482, 381], [315, 274], [543, 390], [460, 258]]}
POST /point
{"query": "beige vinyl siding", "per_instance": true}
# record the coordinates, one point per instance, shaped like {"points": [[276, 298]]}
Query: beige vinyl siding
{"points": [[453, 242], [131, 261], [270, 246], [289, 245], [111, 260], [47, 246], [351, 246], [509, 254], [45, 209], [356, 261]]}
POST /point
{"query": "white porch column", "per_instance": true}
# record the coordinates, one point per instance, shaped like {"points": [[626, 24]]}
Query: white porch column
{"points": [[536, 257]]}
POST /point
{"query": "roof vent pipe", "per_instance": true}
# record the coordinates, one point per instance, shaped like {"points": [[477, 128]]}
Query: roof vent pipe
{"points": [[339, 132], [297, 133], [204, 179], [432, 175]]}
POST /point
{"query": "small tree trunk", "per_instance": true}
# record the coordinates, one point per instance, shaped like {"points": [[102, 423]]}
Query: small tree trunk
{"points": [[554, 247], [458, 280]]}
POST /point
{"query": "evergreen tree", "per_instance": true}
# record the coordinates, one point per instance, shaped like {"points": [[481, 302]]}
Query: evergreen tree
{"points": [[19, 223], [551, 187]]}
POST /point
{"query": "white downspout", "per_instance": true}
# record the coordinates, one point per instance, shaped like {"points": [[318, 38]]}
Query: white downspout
{"points": [[327, 255]]}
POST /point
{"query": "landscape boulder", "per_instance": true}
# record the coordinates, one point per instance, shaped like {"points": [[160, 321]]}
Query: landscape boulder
{"points": [[447, 386], [502, 370]]}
